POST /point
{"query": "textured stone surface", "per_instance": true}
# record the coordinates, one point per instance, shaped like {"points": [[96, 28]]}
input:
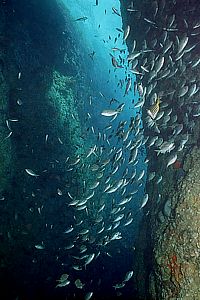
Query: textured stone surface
{"points": [[177, 248], [167, 253], [5, 143]]}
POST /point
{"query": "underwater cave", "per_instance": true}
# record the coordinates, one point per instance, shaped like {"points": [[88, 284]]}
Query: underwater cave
{"points": [[100, 157]]}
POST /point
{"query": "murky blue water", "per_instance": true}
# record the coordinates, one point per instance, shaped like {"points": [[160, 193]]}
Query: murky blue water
{"points": [[74, 56]]}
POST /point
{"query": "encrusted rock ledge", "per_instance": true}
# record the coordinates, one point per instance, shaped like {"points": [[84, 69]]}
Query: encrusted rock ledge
{"points": [[167, 264], [177, 245]]}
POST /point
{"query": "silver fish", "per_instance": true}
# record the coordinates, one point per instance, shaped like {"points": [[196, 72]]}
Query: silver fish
{"points": [[88, 296], [195, 62], [159, 179], [119, 285], [128, 276], [159, 64], [133, 55], [80, 203], [165, 147], [32, 173], [182, 44], [177, 129], [128, 222], [126, 32], [140, 103], [63, 282], [140, 176], [68, 230], [144, 201], [109, 112], [183, 91], [40, 246], [89, 259], [120, 217], [115, 187], [172, 158], [94, 185], [151, 176], [128, 86], [79, 284]]}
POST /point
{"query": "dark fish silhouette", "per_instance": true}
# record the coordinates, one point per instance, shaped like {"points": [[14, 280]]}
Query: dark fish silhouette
{"points": [[82, 19]]}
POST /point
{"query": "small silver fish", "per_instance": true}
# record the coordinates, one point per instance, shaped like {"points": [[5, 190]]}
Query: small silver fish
{"points": [[128, 222], [79, 284], [109, 112], [40, 246], [63, 283], [68, 230], [144, 201], [182, 44], [119, 285], [141, 175], [89, 259], [8, 135], [32, 173], [115, 187], [172, 158], [128, 276], [159, 179], [88, 296], [140, 103], [94, 185], [165, 147], [126, 32]]}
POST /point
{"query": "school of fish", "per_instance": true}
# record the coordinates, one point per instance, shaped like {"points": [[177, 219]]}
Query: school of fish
{"points": [[158, 75]]}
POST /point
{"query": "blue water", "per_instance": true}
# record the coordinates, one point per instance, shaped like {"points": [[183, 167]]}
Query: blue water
{"points": [[96, 36], [36, 214]]}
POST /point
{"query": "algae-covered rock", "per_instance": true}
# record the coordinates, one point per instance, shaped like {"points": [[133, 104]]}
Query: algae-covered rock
{"points": [[5, 139], [61, 96], [177, 249], [5, 161]]}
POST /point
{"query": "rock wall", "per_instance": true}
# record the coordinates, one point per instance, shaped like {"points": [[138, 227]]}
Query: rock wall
{"points": [[6, 147], [176, 237], [167, 264], [41, 78]]}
